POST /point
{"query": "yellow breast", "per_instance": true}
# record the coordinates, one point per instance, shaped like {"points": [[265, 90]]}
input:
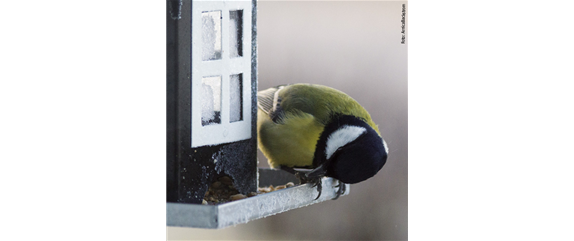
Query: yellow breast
{"points": [[291, 143]]}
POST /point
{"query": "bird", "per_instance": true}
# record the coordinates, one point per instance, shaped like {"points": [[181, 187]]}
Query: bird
{"points": [[320, 129]]}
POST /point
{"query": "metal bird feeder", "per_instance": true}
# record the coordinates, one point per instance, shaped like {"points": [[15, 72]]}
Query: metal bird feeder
{"points": [[211, 118]]}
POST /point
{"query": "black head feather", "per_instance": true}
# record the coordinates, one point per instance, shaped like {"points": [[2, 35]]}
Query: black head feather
{"points": [[356, 161]]}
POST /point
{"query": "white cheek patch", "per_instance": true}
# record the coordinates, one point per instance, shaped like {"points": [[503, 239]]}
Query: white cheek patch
{"points": [[341, 137], [386, 147]]}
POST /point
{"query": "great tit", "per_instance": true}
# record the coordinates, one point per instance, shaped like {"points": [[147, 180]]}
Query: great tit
{"points": [[320, 128]]}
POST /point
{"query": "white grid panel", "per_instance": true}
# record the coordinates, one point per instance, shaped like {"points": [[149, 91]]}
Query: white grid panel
{"points": [[225, 132]]}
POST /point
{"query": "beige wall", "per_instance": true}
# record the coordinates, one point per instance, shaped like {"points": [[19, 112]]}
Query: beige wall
{"points": [[354, 47]]}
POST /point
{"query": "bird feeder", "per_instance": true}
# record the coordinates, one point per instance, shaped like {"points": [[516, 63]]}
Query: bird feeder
{"points": [[212, 85], [211, 117]]}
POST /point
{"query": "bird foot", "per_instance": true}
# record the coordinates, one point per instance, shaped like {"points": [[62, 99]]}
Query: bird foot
{"points": [[341, 189], [319, 184]]}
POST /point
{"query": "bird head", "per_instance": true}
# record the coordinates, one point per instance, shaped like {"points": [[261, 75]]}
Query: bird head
{"points": [[350, 150]]}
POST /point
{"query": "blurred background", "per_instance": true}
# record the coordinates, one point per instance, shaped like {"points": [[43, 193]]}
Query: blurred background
{"points": [[354, 47]]}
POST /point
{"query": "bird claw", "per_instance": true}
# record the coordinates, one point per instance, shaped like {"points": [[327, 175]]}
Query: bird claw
{"points": [[318, 183], [341, 189], [302, 177], [314, 181]]}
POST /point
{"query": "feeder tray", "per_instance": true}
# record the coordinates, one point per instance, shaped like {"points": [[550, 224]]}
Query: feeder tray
{"points": [[252, 208]]}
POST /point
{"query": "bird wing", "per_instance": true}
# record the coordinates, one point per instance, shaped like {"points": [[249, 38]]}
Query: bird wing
{"points": [[269, 102], [319, 101], [265, 99], [292, 99]]}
